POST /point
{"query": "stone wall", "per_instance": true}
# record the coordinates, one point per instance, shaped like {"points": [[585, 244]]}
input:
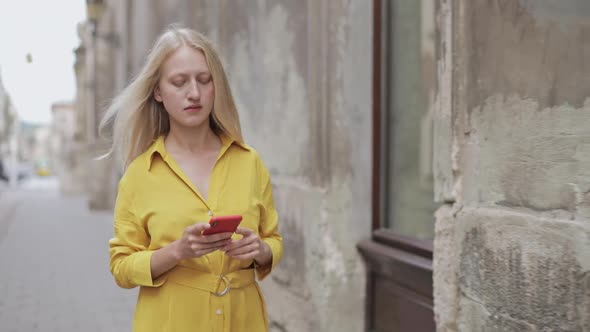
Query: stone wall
{"points": [[512, 246]]}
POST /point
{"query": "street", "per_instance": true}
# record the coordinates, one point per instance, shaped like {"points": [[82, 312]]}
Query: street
{"points": [[54, 257]]}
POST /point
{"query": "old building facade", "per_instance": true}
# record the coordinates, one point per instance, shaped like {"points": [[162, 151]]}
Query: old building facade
{"points": [[8, 136], [64, 147], [428, 157]]}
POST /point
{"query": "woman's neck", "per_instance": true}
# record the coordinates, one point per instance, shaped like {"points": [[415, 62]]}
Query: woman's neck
{"points": [[191, 140]]}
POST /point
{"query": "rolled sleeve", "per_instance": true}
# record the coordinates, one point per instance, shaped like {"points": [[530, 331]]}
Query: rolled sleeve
{"points": [[276, 247], [269, 227], [142, 270], [130, 257]]}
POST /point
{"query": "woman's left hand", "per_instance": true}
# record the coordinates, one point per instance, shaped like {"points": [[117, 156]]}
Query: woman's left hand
{"points": [[250, 246]]}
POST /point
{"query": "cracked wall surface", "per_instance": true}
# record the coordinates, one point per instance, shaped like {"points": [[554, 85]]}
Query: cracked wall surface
{"points": [[512, 244]]}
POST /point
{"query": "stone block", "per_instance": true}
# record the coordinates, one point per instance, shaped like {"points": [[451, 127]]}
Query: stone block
{"points": [[446, 265], [474, 317], [532, 269]]}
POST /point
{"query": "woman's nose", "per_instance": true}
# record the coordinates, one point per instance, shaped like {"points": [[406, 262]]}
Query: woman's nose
{"points": [[194, 92]]}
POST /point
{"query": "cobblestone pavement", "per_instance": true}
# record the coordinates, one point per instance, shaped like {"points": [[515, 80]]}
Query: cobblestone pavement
{"points": [[54, 273]]}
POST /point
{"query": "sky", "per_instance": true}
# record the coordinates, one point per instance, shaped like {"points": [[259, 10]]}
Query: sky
{"points": [[48, 31]]}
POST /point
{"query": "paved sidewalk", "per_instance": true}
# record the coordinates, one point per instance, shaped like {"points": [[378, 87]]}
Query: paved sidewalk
{"points": [[54, 266]]}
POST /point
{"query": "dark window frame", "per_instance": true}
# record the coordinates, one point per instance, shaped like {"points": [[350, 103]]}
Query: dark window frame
{"points": [[380, 234], [402, 262]]}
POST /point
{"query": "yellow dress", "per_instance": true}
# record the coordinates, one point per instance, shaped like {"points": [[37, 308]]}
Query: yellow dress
{"points": [[155, 203]]}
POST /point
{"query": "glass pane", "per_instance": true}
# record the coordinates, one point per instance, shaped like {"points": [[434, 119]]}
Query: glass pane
{"points": [[409, 198]]}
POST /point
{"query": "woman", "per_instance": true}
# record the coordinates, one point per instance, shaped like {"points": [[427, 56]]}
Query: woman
{"points": [[176, 131]]}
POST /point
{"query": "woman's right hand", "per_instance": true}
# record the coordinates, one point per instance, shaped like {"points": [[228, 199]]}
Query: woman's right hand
{"points": [[193, 244]]}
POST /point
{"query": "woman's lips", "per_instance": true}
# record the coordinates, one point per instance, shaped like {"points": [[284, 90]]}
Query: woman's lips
{"points": [[193, 108]]}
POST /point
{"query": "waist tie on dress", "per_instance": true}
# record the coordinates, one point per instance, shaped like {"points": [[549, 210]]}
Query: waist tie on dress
{"points": [[214, 283]]}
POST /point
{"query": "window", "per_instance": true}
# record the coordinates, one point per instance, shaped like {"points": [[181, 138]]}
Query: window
{"points": [[399, 253], [408, 85]]}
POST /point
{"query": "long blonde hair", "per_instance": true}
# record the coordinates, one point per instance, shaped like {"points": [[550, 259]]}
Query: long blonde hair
{"points": [[138, 119]]}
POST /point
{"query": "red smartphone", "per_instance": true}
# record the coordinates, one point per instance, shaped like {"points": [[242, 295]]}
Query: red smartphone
{"points": [[223, 224]]}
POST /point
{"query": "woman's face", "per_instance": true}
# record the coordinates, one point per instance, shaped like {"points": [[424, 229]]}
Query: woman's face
{"points": [[186, 88]]}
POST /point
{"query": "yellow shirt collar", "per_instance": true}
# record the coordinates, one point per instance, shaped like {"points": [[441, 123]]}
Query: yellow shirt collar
{"points": [[159, 147]]}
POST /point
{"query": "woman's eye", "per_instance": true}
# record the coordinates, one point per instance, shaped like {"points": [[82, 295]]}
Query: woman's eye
{"points": [[204, 79], [177, 83]]}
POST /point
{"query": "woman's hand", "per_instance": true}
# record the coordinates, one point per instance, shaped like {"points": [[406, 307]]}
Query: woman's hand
{"points": [[193, 244], [250, 246]]}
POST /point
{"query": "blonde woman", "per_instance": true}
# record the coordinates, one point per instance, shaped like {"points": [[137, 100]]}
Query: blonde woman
{"points": [[177, 133]]}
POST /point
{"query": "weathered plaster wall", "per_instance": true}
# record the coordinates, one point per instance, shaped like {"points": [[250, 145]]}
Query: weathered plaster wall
{"points": [[512, 247]]}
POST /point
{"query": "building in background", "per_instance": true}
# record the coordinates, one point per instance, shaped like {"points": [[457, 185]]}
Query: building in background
{"points": [[7, 118], [35, 145], [64, 160], [8, 137], [443, 140]]}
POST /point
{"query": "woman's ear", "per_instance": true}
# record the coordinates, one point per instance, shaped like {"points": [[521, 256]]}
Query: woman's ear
{"points": [[157, 94]]}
